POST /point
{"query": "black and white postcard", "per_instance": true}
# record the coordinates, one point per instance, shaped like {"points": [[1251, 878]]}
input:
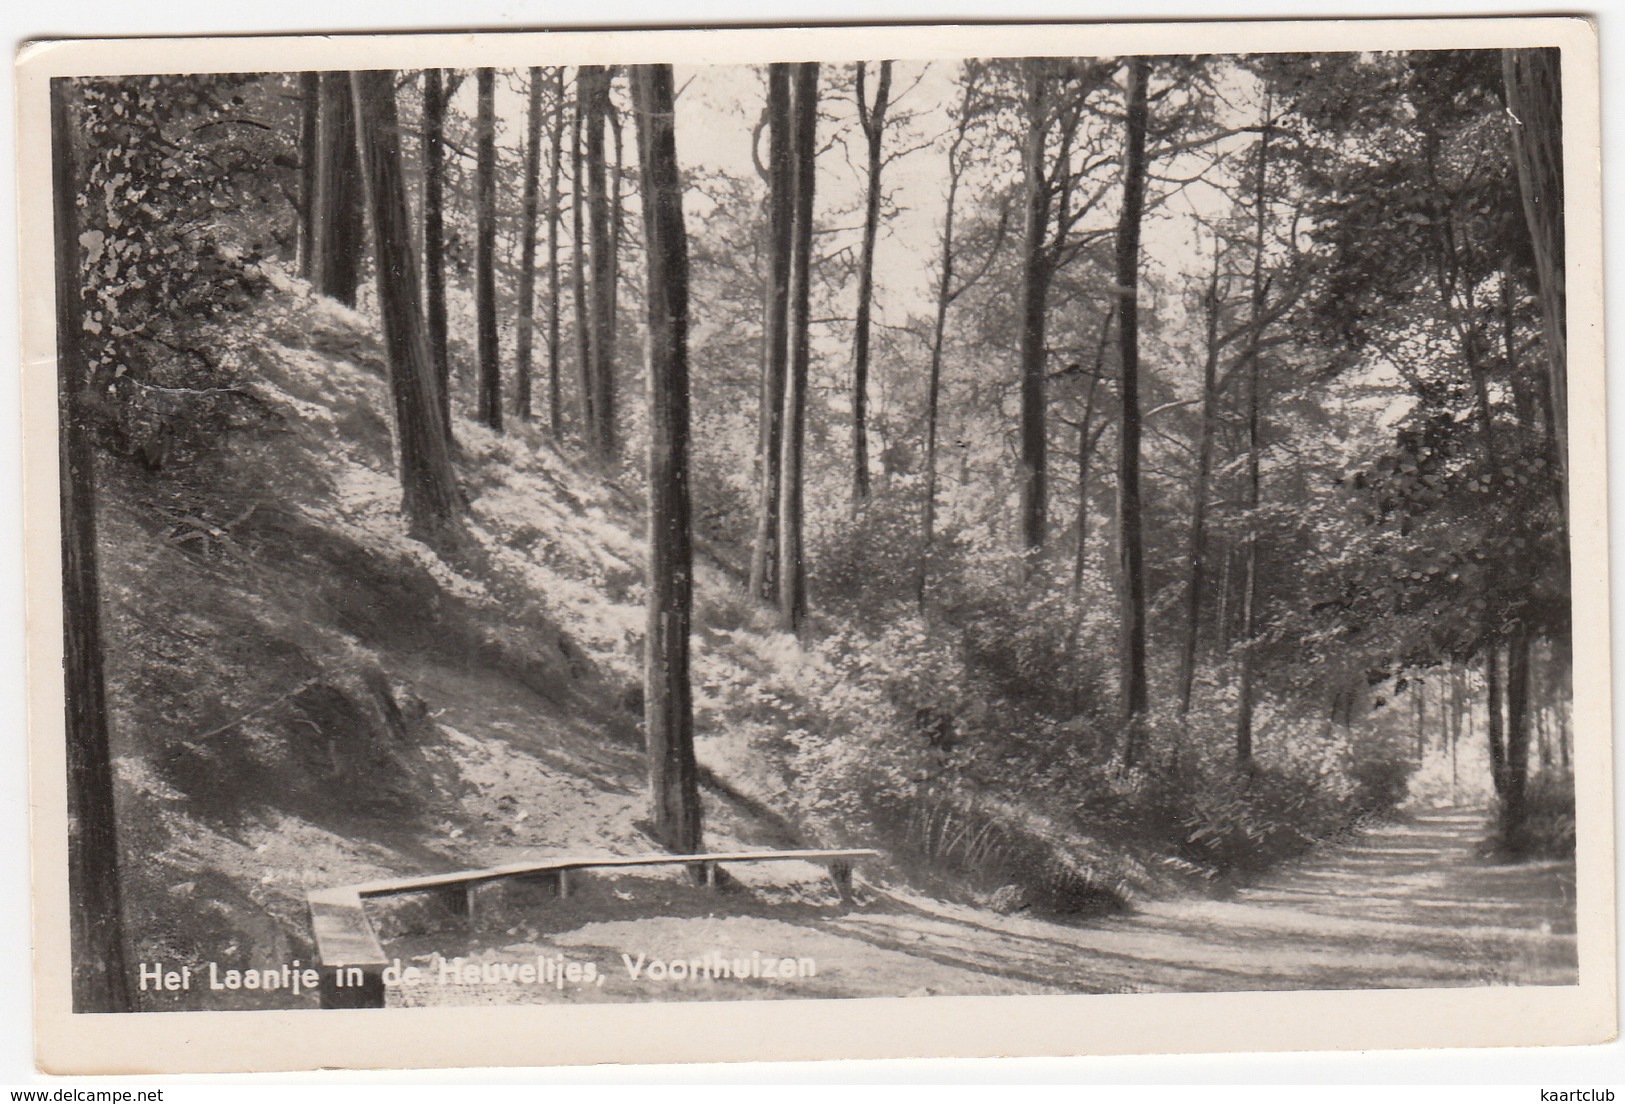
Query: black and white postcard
{"points": [[816, 543]]}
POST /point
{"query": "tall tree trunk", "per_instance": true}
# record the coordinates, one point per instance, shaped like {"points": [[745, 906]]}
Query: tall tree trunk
{"points": [[1534, 94], [1514, 795], [527, 247], [933, 415], [1563, 682], [1421, 718], [1244, 677], [1036, 274], [485, 248], [612, 265], [1540, 694], [430, 500], [792, 584], [668, 710], [1087, 441], [96, 914], [1131, 579], [554, 169], [1493, 696], [1249, 596], [435, 94], [1086, 452], [310, 112], [775, 327], [873, 121], [1197, 557], [1455, 722], [579, 261], [339, 236], [601, 301], [939, 329]]}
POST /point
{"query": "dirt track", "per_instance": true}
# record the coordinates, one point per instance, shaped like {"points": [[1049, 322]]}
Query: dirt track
{"points": [[1408, 905]]}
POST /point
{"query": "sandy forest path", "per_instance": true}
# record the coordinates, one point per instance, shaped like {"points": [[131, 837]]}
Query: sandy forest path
{"points": [[1409, 904]]}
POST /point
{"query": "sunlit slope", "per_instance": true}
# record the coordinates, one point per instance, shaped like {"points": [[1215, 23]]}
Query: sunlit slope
{"points": [[303, 696]]}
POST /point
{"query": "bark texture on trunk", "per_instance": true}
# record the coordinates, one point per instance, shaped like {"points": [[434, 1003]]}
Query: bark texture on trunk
{"points": [[601, 299], [531, 199], [1131, 578], [668, 709], [430, 499], [1197, 556], [434, 233], [792, 580], [1534, 92], [612, 279], [310, 112], [1088, 441], [95, 903], [554, 171], [485, 245], [775, 330], [1515, 792], [1249, 586], [339, 235], [872, 118], [1494, 696], [946, 293], [1036, 276], [585, 389]]}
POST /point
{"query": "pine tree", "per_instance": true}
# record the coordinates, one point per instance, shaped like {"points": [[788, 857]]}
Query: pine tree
{"points": [[668, 709], [527, 246], [792, 577], [872, 118], [430, 499], [436, 92], [485, 241], [775, 331], [96, 915], [1130, 537], [338, 235]]}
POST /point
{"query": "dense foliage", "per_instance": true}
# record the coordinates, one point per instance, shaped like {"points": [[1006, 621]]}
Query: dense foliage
{"points": [[185, 190]]}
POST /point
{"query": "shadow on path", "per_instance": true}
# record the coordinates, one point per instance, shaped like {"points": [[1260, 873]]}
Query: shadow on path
{"points": [[1410, 904]]}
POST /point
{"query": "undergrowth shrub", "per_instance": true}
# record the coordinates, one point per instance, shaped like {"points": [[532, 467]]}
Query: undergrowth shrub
{"points": [[862, 565], [978, 742], [1549, 816], [1305, 785], [992, 847], [1024, 630], [888, 716], [724, 517], [916, 748]]}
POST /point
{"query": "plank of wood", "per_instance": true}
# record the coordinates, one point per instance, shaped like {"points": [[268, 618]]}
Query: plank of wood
{"points": [[391, 886], [344, 935]]}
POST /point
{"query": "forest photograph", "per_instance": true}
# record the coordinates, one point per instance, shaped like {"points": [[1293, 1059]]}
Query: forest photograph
{"points": [[880, 528]]}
